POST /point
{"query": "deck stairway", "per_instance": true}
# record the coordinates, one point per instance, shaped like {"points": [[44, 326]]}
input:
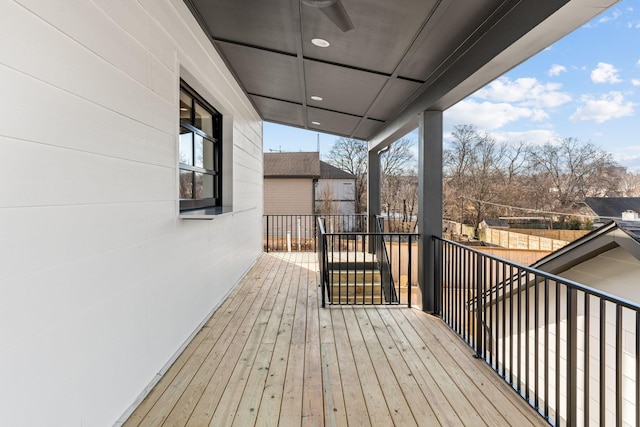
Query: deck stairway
{"points": [[359, 283], [358, 268]]}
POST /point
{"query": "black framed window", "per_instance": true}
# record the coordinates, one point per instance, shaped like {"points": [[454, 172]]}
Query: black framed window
{"points": [[200, 151]]}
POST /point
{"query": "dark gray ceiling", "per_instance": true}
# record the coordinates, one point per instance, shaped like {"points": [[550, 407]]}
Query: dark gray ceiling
{"points": [[403, 56]]}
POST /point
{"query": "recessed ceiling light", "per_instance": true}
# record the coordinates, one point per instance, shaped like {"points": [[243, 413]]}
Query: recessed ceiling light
{"points": [[316, 98], [315, 123], [184, 109], [320, 42]]}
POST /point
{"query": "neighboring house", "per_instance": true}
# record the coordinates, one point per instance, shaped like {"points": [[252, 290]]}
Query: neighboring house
{"points": [[607, 259], [335, 191], [297, 185], [289, 183], [302, 184], [606, 208]]}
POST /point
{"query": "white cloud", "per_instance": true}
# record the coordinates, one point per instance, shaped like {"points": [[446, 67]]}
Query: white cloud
{"points": [[629, 157], [536, 136], [605, 73], [635, 82], [490, 115], [612, 17], [556, 69], [526, 92], [608, 106]]}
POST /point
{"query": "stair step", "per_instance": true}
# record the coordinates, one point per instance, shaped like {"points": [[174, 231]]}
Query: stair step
{"points": [[353, 266], [355, 277], [352, 300], [355, 290]]}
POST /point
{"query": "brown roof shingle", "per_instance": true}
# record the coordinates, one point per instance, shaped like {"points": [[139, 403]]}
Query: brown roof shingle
{"points": [[328, 171], [292, 165]]}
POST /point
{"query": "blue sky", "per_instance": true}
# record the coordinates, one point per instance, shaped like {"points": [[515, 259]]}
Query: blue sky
{"points": [[585, 86]]}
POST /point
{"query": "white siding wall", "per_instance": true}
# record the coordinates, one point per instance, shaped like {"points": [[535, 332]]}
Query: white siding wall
{"points": [[339, 194], [101, 283]]}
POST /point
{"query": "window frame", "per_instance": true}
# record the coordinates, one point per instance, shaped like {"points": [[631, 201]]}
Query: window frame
{"points": [[189, 125]]}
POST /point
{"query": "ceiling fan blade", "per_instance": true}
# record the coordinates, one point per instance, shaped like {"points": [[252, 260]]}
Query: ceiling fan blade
{"points": [[335, 11], [338, 15]]}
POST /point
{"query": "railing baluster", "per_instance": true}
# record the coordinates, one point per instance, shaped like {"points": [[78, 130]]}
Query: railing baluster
{"points": [[519, 318], [479, 306], [557, 350], [504, 321], [618, 365], [572, 356], [546, 347], [586, 376], [637, 368], [411, 266], [536, 325], [527, 352], [511, 357], [603, 356]]}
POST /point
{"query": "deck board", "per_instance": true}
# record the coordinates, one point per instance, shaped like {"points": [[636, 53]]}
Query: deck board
{"points": [[271, 356]]}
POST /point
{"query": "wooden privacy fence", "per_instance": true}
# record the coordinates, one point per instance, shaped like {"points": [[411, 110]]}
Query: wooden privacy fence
{"points": [[511, 240], [401, 270]]}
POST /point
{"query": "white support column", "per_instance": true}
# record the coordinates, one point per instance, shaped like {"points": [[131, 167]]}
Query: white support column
{"points": [[373, 188], [429, 202]]}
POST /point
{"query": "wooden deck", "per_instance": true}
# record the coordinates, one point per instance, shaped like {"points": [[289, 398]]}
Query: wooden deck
{"points": [[270, 356]]}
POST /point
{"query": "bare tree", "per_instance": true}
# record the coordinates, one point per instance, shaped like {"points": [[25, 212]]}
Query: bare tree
{"points": [[398, 158], [325, 201], [568, 171], [398, 193], [629, 184], [351, 155], [476, 169]]}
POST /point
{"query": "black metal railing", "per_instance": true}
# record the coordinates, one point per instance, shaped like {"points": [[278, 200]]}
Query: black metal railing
{"points": [[351, 272], [298, 233], [571, 351], [384, 262]]}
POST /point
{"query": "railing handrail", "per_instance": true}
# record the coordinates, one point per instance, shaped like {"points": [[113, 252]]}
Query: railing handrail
{"points": [[372, 233], [298, 232], [579, 286], [548, 337]]}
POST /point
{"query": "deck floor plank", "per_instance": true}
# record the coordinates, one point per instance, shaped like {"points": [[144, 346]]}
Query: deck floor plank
{"points": [[158, 404], [354, 399], [449, 404], [269, 356], [291, 405], [419, 406], [249, 405], [390, 387], [506, 397], [269, 411], [221, 364], [334, 407], [312, 395], [436, 369]]}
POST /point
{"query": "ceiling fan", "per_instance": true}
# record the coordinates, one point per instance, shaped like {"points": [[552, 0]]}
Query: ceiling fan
{"points": [[334, 10]]}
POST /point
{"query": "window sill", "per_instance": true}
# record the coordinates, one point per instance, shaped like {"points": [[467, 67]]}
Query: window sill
{"points": [[206, 213]]}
